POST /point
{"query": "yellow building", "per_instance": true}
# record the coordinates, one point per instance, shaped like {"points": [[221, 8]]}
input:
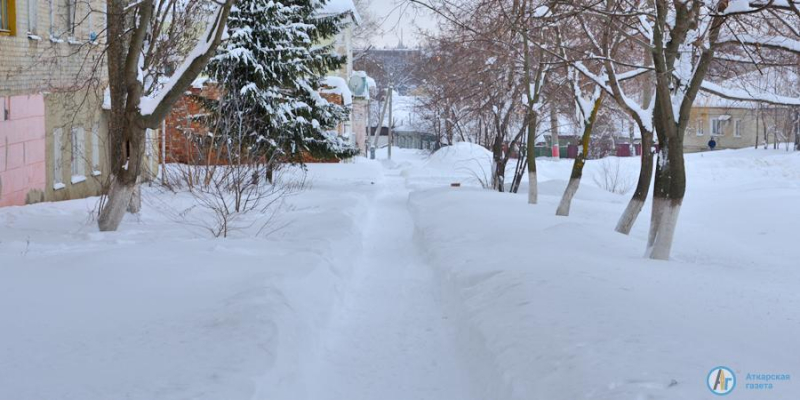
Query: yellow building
{"points": [[739, 124]]}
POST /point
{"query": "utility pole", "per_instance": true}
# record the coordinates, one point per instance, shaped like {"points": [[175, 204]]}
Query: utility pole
{"points": [[379, 126], [391, 122], [164, 152], [369, 123]]}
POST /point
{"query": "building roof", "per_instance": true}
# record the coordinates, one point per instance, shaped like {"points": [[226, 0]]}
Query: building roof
{"points": [[773, 84], [338, 7]]}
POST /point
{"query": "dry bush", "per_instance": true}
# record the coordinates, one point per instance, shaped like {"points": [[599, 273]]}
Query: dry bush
{"points": [[612, 178]]}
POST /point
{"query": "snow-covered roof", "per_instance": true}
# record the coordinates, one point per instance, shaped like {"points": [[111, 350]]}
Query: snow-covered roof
{"points": [[337, 85], [774, 84], [338, 7], [708, 100], [200, 81]]}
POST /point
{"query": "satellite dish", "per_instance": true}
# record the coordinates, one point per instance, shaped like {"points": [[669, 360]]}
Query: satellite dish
{"points": [[358, 85]]}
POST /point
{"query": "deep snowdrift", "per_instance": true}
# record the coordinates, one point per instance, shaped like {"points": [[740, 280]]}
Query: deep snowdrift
{"points": [[465, 163]]}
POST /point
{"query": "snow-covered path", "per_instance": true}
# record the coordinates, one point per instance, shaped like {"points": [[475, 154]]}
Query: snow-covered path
{"points": [[390, 339]]}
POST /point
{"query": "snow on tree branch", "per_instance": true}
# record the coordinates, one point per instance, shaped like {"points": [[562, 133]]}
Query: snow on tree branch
{"points": [[747, 95], [774, 42], [154, 107]]}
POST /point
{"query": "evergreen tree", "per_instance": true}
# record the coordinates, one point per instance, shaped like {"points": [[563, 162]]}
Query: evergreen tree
{"points": [[272, 64]]}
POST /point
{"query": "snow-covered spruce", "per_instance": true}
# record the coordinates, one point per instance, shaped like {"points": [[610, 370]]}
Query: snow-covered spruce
{"points": [[273, 61]]}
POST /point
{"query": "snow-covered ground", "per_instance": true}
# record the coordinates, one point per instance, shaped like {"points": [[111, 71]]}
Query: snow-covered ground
{"points": [[567, 309], [387, 283]]}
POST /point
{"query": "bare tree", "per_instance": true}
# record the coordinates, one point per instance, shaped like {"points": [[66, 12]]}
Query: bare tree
{"points": [[139, 99], [588, 109]]}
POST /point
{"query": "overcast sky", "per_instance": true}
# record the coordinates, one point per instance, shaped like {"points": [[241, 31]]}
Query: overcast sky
{"points": [[396, 16]]}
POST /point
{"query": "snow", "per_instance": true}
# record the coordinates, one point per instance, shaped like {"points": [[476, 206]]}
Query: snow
{"points": [[338, 85], [200, 82], [779, 42], [465, 163], [159, 310], [398, 349], [106, 99], [338, 7], [404, 113], [738, 6], [555, 298], [149, 103], [769, 85], [384, 282]]}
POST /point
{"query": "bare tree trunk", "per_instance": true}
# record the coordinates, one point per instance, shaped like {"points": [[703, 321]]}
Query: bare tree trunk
{"points": [[379, 127], [135, 205], [125, 178], [580, 161], [498, 166], [519, 171], [533, 192], [670, 179], [556, 148], [532, 120], [631, 213], [391, 122], [119, 197]]}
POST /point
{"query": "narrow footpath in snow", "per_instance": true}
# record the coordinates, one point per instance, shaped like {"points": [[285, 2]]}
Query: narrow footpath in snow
{"points": [[390, 339]]}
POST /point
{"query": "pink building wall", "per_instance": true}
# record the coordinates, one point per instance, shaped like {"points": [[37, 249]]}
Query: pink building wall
{"points": [[22, 149]]}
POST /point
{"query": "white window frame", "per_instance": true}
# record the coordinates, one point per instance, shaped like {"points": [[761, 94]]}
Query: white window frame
{"points": [[698, 127], [78, 160], [96, 150], [33, 17], [718, 122], [52, 16], [737, 128], [58, 159], [90, 32], [71, 17], [5, 110], [148, 143], [5, 17]]}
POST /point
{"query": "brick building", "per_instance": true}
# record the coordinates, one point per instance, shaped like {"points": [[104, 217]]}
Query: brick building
{"points": [[182, 126]]}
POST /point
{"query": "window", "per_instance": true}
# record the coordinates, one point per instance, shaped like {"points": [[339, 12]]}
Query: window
{"points": [[96, 150], [5, 112], [58, 160], [92, 36], [33, 16], [7, 21], [698, 127], [148, 143], [72, 8], [52, 19], [78, 160], [716, 127], [737, 128]]}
